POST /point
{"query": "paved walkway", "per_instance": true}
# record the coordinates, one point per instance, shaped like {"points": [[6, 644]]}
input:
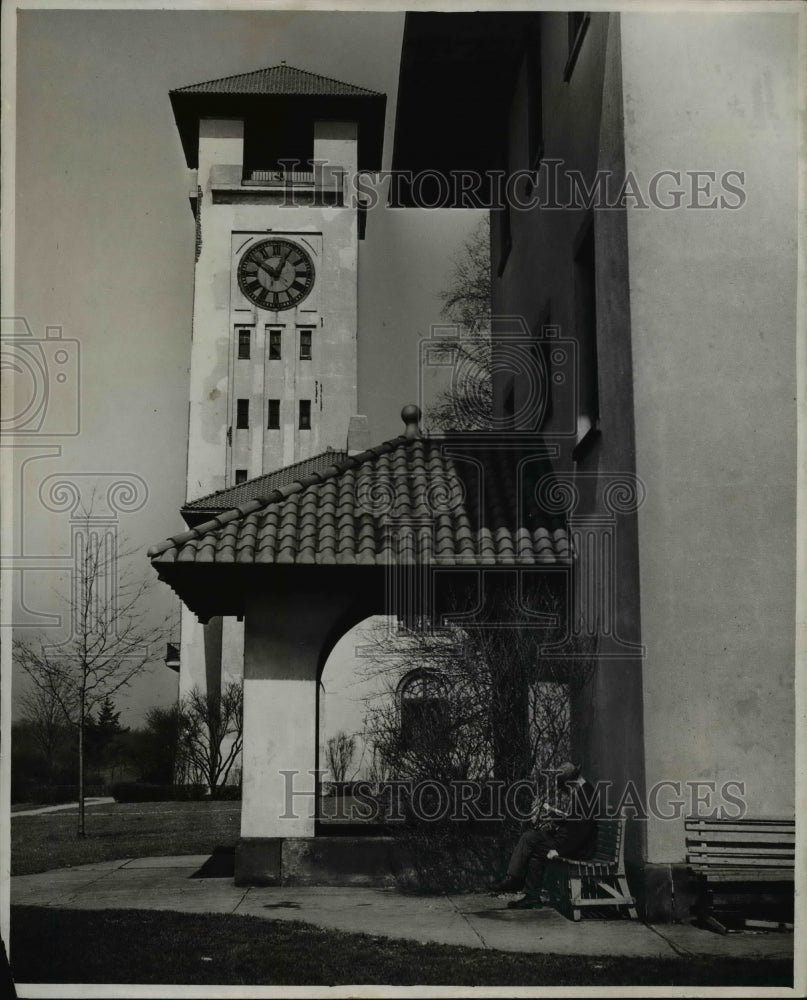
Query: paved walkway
{"points": [[92, 801], [475, 920]]}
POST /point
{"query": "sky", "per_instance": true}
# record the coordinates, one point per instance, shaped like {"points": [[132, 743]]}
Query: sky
{"points": [[104, 249]]}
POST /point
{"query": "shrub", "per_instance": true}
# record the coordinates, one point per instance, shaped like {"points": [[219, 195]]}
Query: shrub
{"points": [[449, 853], [226, 793], [451, 857]]}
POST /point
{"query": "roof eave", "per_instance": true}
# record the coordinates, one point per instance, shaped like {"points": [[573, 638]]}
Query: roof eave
{"points": [[457, 72], [212, 589]]}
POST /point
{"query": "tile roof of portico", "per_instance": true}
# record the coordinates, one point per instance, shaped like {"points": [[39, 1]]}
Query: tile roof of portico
{"points": [[235, 496], [360, 509]]}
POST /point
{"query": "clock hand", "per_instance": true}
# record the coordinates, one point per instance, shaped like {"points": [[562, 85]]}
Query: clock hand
{"points": [[283, 261], [263, 267], [273, 272]]}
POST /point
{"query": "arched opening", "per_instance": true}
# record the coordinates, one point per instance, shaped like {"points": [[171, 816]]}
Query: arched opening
{"points": [[351, 680]]}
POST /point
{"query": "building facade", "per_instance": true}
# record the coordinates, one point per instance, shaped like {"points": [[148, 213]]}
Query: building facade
{"points": [[659, 235]]}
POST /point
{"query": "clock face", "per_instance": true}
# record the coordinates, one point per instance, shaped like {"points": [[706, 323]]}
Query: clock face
{"points": [[275, 274]]}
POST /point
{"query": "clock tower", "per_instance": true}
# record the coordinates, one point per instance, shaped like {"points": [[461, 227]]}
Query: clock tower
{"points": [[274, 155]]}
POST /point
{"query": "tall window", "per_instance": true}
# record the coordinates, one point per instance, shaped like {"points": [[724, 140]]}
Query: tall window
{"points": [[588, 405], [244, 343], [543, 334], [273, 421], [240, 476], [423, 707], [501, 220], [305, 345], [305, 415], [577, 24], [274, 345], [535, 124], [242, 414]]}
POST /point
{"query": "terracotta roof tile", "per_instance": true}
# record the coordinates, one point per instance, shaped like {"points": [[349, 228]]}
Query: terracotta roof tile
{"points": [[234, 496], [406, 500]]}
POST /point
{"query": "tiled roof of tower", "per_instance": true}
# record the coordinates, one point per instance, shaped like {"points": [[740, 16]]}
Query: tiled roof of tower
{"points": [[283, 81], [350, 513], [234, 496]]}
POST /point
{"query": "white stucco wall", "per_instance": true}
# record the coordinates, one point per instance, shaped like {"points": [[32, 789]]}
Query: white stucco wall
{"points": [[713, 300]]}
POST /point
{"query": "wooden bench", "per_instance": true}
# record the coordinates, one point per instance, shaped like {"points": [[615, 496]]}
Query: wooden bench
{"points": [[599, 880], [737, 860]]}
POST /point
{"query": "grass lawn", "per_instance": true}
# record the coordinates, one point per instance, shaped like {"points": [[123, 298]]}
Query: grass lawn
{"points": [[49, 945], [121, 830]]}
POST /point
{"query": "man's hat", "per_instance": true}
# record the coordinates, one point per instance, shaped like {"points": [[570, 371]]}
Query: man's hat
{"points": [[567, 772]]}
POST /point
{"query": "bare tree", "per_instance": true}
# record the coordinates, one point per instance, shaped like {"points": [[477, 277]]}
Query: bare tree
{"points": [[48, 725], [493, 707], [113, 637], [467, 297], [467, 403], [339, 755], [211, 731], [505, 714]]}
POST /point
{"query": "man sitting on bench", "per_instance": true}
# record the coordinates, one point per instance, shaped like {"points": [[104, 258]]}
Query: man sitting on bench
{"points": [[570, 835]]}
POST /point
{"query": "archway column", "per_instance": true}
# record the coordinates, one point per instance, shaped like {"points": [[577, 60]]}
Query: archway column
{"points": [[286, 631]]}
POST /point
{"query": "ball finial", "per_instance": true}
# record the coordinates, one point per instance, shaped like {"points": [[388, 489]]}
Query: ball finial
{"points": [[410, 415]]}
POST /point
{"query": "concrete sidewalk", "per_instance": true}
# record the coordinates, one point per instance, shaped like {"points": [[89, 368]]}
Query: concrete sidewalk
{"points": [[40, 810], [474, 920]]}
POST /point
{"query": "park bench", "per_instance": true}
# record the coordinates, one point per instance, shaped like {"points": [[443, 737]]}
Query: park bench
{"points": [[740, 862], [597, 881]]}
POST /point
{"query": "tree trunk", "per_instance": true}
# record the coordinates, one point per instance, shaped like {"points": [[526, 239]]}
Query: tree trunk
{"points": [[509, 714], [81, 773]]}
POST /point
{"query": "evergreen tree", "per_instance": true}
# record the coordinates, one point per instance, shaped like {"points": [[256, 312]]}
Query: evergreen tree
{"points": [[102, 736]]}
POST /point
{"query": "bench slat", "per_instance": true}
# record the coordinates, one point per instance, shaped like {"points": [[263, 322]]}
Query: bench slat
{"points": [[740, 861], [741, 819], [749, 836], [741, 826], [732, 850], [723, 862], [749, 875]]}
